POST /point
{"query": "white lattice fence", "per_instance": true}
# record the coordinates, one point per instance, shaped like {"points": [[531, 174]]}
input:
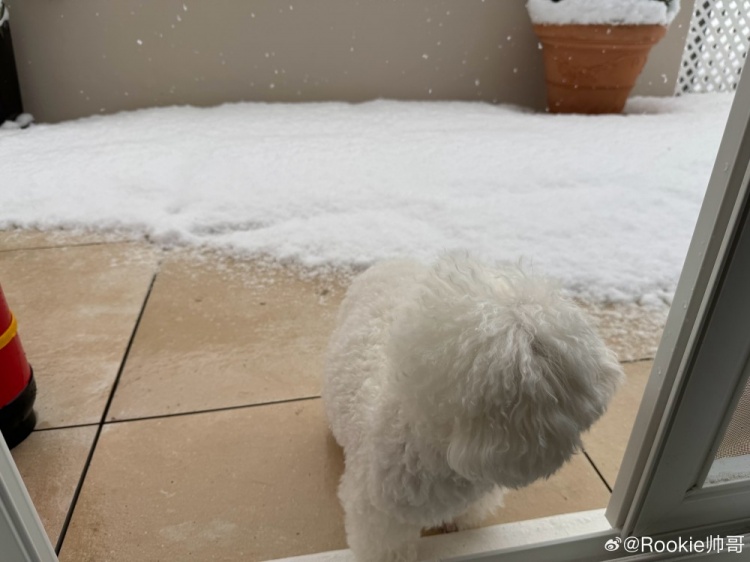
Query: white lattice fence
{"points": [[716, 46]]}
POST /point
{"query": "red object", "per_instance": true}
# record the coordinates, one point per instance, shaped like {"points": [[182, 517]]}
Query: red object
{"points": [[15, 371]]}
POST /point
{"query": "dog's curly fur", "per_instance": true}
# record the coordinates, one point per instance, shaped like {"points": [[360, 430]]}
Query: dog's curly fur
{"points": [[446, 384]]}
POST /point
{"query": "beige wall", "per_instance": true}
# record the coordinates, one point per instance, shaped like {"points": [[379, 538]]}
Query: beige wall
{"points": [[80, 57]]}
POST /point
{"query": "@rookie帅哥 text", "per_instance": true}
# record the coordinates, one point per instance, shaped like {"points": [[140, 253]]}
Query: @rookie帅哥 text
{"points": [[714, 543]]}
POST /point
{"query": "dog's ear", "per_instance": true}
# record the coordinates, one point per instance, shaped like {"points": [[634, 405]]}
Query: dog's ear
{"points": [[518, 434], [534, 404]]}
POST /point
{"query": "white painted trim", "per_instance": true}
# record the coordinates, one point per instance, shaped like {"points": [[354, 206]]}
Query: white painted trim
{"points": [[22, 537], [572, 537], [715, 372], [489, 539]]}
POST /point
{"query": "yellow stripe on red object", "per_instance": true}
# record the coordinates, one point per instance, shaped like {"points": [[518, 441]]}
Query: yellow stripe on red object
{"points": [[7, 336]]}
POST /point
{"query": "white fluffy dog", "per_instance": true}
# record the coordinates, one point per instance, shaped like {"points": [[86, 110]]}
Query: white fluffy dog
{"points": [[446, 384]]}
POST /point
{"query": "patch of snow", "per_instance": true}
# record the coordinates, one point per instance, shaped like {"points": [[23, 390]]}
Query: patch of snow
{"points": [[605, 204], [615, 12], [23, 120]]}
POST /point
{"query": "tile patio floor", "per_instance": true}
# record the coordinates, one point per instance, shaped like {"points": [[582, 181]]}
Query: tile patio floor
{"points": [[178, 407]]}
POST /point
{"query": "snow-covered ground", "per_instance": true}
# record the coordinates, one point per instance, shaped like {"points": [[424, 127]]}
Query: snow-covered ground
{"points": [[606, 204]]}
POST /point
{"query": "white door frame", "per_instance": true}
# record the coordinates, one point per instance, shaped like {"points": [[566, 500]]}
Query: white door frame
{"points": [[22, 537]]}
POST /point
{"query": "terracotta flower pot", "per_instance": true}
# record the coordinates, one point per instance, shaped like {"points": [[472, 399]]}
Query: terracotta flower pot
{"points": [[592, 68]]}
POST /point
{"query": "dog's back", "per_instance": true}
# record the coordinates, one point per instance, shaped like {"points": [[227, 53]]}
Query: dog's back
{"points": [[356, 361]]}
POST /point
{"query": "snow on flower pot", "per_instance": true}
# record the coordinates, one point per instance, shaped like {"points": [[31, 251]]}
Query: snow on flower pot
{"points": [[17, 386], [594, 50]]}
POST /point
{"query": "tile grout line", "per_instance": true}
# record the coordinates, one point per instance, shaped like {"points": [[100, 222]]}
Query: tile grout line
{"points": [[601, 476], [640, 360], [73, 245], [214, 410], [72, 426], [100, 425]]}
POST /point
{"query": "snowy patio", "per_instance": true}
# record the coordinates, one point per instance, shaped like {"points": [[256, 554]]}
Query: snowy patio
{"points": [[605, 204], [176, 273]]}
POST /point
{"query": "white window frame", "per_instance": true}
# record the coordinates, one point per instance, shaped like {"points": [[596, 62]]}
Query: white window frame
{"points": [[701, 363]]}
